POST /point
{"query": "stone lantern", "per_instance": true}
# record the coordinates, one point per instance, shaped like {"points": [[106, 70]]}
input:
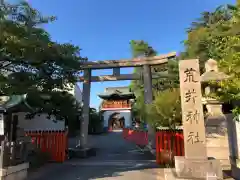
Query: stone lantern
{"points": [[215, 120], [213, 106]]}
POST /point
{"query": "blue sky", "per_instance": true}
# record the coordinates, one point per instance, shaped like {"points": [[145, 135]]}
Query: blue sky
{"points": [[103, 28]]}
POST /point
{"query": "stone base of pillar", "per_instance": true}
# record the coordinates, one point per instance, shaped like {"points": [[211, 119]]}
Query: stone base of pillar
{"points": [[81, 153], [18, 172], [194, 169], [235, 172], [235, 167], [234, 161]]}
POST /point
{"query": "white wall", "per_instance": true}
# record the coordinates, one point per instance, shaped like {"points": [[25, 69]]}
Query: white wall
{"points": [[125, 113], [39, 122], [78, 93]]}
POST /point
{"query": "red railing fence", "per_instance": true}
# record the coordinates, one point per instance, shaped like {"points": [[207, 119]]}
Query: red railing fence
{"points": [[169, 143], [136, 136], [53, 142]]}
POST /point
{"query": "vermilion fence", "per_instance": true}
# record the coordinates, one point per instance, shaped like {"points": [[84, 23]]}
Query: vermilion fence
{"points": [[53, 142], [138, 137], [169, 143]]}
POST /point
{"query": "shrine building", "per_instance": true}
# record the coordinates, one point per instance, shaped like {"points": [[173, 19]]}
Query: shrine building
{"points": [[116, 108]]}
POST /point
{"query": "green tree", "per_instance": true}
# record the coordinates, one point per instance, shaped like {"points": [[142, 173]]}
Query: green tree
{"points": [[141, 48], [207, 33], [217, 36], [33, 64], [166, 109], [95, 122]]}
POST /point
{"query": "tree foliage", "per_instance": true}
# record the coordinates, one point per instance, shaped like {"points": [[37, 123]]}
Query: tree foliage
{"points": [[95, 121], [33, 64], [161, 85], [166, 109], [216, 35]]}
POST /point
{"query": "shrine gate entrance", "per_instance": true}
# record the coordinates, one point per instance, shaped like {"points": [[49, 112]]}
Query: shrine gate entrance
{"points": [[87, 78], [116, 122]]}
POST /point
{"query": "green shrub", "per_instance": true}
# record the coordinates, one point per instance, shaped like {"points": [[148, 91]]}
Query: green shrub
{"points": [[165, 109]]}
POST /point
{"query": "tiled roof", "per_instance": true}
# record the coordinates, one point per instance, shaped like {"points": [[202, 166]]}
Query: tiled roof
{"points": [[11, 101], [118, 90]]}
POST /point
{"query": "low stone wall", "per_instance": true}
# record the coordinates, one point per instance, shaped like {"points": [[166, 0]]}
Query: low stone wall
{"points": [[18, 172]]}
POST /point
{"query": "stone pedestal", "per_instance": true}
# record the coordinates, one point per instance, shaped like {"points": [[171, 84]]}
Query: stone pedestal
{"points": [[217, 139], [201, 169], [81, 153], [235, 167], [194, 169], [18, 172]]}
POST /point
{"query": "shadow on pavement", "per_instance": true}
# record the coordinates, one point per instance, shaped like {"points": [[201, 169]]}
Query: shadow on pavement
{"points": [[72, 170], [115, 159]]}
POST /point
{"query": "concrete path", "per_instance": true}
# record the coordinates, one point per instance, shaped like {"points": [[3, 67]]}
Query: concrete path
{"points": [[115, 159]]}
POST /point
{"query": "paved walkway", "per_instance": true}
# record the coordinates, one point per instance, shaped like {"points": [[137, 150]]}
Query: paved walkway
{"points": [[115, 159]]}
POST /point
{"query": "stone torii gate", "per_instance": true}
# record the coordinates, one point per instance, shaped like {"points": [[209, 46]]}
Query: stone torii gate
{"points": [[87, 78]]}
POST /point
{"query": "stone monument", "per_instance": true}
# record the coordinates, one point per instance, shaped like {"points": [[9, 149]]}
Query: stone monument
{"points": [[215, 119], [195, 164]]}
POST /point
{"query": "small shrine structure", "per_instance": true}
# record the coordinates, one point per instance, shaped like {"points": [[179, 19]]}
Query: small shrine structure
{"points": [[14, 110], [116, 108]]}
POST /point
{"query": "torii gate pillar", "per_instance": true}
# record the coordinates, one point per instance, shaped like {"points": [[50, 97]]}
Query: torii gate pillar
{"points": [[148, 98], [147, 79], [85, 113]]}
